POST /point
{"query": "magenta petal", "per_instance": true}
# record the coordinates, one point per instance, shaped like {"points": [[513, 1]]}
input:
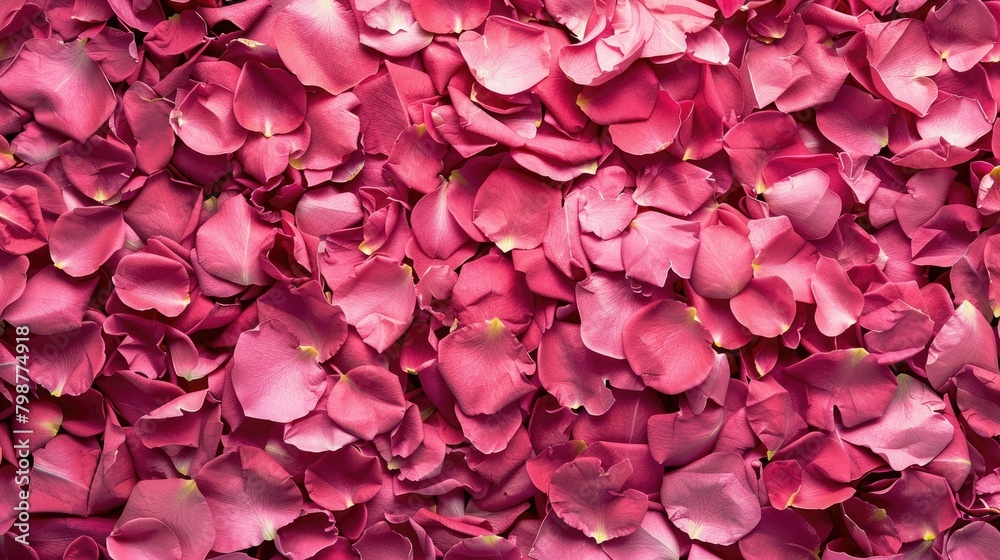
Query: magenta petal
{"points": [[976, 540], [366, 401], [838, 302], [502, 363], [722, 266], [509, 57], [852, 380], [378, 298], [780, 535], [204, 120], [711, 499], [920, 505], [668, 347], [856, 121], [965, 339], [902, 62], [655, 244], [22, 228], [963, 31], [911, 431], [807, 200], [340, 479], [450, 16], [231, 242], [676, 187], [178, 504], [148, 281], [766, 306], [653, 134], [606, 301], [573, 373], [512, 209], [307, 31], [144, 538], [586, 497], [250, 495], [268, 100], [72, 369], [85, 238], [52, 302], [273, 376], [80, 104]]}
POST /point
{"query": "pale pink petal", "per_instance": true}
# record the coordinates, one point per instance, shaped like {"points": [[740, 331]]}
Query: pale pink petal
{"points": [[275, 378], [508, 57]]}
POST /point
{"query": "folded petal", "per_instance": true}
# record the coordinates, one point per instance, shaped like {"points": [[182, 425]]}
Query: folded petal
{"points": [[63, 88], [850, 380], [902, 62]]}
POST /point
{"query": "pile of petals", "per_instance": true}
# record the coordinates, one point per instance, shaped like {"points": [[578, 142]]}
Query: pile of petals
{"points": [[484, 279]]}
